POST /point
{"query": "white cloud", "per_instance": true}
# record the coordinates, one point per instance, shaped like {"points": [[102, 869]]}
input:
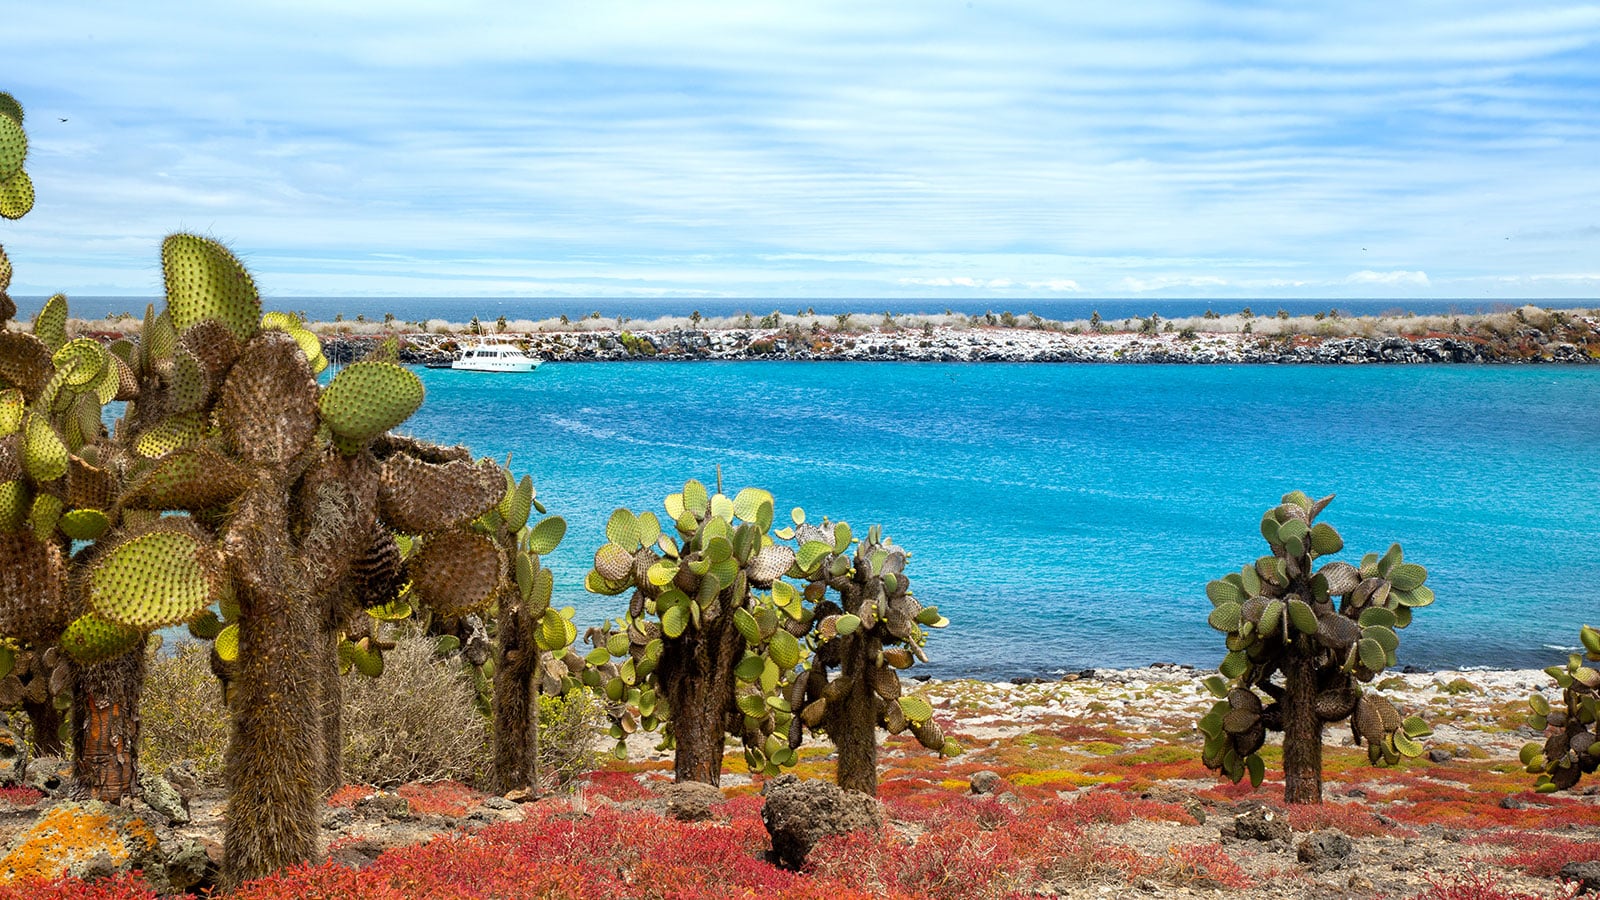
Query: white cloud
{"points": [[1397, 277], [776, 149]]}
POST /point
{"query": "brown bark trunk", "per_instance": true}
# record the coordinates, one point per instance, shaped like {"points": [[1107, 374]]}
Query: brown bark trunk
{"points": [[105, 728], [515, 704], [275, 766], [852, 723], [697, 672], [44, 722], [1302, 732]]}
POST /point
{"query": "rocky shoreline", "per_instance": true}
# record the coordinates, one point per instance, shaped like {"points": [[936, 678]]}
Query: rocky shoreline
{"points": [[1527, 345]]}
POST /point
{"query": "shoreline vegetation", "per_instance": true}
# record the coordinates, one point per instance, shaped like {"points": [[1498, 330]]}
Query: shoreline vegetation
{"points": [[1528, 334]]}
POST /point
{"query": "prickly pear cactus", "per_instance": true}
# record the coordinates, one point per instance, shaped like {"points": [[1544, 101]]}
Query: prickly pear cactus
{"points": [[1571, 748], [1297, 661], [712, 640], [869, 630], [16, 188]]}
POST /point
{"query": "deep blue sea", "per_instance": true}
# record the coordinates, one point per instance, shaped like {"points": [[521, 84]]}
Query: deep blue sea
{"points": [[1069, 516]]}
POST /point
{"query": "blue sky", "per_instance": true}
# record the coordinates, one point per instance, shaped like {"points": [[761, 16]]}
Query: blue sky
{"points": [[920, 148]]}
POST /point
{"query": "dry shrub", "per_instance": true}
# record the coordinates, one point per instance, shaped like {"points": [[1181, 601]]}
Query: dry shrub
{"points": [[181, 715], [415, 723], [569, 727]]}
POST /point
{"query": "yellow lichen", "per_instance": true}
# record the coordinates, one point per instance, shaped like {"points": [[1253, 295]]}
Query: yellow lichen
{"points": [[70, 834]]}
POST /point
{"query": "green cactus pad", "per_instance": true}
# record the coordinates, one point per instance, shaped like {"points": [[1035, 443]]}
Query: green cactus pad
{"points": [[155, 580], [268, 405], [13, 143], [367, 399], [195, 478], [44, 456], [5, 282], [784, 650], [1407, 576], [91, 639], [1325, 540], [172, 434], [12, 406], [15, 502], [205, 281], [916, 710], [546, 536], [622, 529], [50, 325], [1225, 617], [1302, 617], [16, 196], [84, 524]]}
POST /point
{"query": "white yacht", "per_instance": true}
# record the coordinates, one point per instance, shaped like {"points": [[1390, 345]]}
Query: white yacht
{"points": [[486, 357]]}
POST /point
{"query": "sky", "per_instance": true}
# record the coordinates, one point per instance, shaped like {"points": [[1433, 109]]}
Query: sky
{"points": [[904, 148]]}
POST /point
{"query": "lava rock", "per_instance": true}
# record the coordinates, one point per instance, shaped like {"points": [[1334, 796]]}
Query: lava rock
{"points": [[1440, 755], [384, 806], [159, 794], [1586, 874], [1326, 850], [986, 782], [690, 801], [1259, 824], [798, 814]]}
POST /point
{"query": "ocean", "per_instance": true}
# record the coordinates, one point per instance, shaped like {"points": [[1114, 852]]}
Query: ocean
{"points": [[1069, 516]]}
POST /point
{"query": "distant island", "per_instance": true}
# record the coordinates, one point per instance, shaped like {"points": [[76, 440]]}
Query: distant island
{"points": [[1529, 334]]}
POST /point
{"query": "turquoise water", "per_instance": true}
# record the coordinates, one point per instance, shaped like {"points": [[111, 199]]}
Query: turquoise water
{"points": [[1069, 516]]}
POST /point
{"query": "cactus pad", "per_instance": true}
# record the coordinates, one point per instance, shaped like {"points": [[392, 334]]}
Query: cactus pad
{"points": [[417, 497], [195, 478], [205, 281], [44, 456], [267, 407], [172, 434], [368, 398], [155, 579], [16, 196], [456, 572], [34, 605], [24, 362], [91, 639], [13, 146]]}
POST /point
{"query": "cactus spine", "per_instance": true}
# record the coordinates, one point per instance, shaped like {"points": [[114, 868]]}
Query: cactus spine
{"points": [[1281, 622], [1571, 748]]}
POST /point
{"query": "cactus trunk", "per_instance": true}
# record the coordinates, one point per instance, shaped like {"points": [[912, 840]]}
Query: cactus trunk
{"points": [[1302, 732], [852, 724], [515, 705], [274, 765], [699, 684], [105, 728]]}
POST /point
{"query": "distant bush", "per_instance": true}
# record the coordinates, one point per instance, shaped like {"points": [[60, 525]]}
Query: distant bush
{"points": [[569, 728], [181, 713], [416, 722]]}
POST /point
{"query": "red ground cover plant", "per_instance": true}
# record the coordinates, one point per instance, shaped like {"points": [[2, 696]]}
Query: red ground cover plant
{"points": [[440, 798], [121, 887], [1473, 886], [1540, 854], [350, 794], [20, 795], [1354, 819]]}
